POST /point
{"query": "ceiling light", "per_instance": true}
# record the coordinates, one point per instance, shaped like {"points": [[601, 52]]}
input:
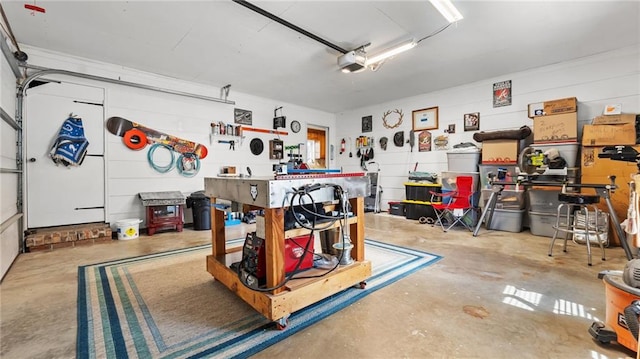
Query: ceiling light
{"points": [[408, 45], [447, 9]]}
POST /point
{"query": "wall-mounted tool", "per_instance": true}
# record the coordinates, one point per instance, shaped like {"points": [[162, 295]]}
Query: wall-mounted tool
{"points": [[232, 143]]}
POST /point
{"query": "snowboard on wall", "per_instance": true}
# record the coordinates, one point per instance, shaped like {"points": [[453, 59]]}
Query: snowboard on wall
{"points": [[136, 136]]}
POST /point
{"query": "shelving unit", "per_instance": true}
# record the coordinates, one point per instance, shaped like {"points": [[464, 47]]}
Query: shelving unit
{"points": [[270, 195], [276, 150]]}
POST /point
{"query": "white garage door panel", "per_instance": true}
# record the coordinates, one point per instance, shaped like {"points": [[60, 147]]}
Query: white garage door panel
{"points": [[8, 248], [59, 195], [71, 196], [9, 195]]}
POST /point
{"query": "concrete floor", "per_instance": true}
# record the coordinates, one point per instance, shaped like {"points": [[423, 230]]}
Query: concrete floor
{"points": [[491, 296]]}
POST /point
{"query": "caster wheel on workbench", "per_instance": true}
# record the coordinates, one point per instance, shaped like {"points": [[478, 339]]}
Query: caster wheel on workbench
{"points": [[281, 324], [361, 285]]}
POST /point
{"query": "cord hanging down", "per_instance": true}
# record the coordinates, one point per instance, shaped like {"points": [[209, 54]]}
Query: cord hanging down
{"points": [[248, 268]]}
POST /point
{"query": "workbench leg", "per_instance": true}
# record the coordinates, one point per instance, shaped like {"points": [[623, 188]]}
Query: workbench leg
{"points": [[274, 247], [217, 231], [356, 230]]}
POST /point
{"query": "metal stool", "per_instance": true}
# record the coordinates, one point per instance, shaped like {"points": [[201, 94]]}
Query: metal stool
{"points": [[582, 201]]}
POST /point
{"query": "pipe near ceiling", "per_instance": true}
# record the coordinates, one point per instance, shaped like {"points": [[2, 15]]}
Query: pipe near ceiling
{"points": [[286, 23]]}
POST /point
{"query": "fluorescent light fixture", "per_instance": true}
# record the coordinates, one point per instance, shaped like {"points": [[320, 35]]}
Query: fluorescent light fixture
{"points": [[447, 9], [408, 45]]}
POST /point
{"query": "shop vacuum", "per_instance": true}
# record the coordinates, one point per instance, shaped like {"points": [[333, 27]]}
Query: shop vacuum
{"points": [[623, 307], [622, 289]]}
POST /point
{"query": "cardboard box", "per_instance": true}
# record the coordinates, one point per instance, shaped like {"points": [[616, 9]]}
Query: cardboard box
{"points": [[554, 107], [554, 128], [614, 119], [597, 170], [500, 152], [609, 135], [228, 169]]}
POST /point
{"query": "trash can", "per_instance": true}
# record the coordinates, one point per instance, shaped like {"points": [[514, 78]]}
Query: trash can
{"points": [[201, 208]]}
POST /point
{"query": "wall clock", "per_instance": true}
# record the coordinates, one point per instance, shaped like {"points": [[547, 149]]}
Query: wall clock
{"points": [[295, 126]]}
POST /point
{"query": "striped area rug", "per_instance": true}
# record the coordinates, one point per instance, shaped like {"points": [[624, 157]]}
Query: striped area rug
{"points": [[167, 305]]}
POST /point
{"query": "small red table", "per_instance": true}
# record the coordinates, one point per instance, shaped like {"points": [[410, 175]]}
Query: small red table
{"points": [[164, 210]]}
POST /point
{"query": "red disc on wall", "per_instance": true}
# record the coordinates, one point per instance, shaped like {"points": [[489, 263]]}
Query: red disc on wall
{"points": [[134, 139]]}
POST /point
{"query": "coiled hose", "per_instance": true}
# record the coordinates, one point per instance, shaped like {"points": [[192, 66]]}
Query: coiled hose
{"points": [[152, 150], [188, 164]]}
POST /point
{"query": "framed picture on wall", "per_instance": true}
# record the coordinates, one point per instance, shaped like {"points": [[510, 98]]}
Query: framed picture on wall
{"points": [[472, 121], [425, 119], [367, 124], [243, 117]]}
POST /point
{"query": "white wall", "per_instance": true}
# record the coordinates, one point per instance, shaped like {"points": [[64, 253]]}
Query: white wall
{"points": [[597, 80], [10, 237], [128, 172], [608, 78]]}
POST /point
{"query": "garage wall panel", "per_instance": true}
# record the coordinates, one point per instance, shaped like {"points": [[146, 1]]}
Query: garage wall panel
{"points": [[598, 80], [128, 172]]}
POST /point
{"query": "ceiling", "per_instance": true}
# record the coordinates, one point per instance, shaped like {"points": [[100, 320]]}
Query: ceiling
{"points": [[221, 42]]}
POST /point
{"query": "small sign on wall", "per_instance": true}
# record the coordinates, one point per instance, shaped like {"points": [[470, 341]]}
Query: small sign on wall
{"points": [[424, 141], [502, 93], [243, 117]]}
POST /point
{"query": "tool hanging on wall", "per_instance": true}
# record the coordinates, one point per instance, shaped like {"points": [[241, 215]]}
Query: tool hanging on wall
{"points": [[342, 146], [412, 139], [264, 130], [232, 143], [350, 154], [365, 150], [365, 145]]}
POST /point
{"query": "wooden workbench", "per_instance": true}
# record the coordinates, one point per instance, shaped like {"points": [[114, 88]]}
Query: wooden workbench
{"points": [[278, 304]]}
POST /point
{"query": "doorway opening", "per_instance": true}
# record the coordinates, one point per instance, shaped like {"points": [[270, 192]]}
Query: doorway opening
{"points": [[317, 147]]}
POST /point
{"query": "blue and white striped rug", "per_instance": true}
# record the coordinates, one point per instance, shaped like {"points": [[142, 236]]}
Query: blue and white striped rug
{"points": [[167, 305]]}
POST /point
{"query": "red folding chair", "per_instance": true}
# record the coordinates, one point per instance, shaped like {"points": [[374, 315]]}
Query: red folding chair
{"points": [[455, 205]]}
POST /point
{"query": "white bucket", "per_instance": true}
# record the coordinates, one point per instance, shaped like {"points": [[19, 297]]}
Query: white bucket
{"points": [[128, 228]]}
